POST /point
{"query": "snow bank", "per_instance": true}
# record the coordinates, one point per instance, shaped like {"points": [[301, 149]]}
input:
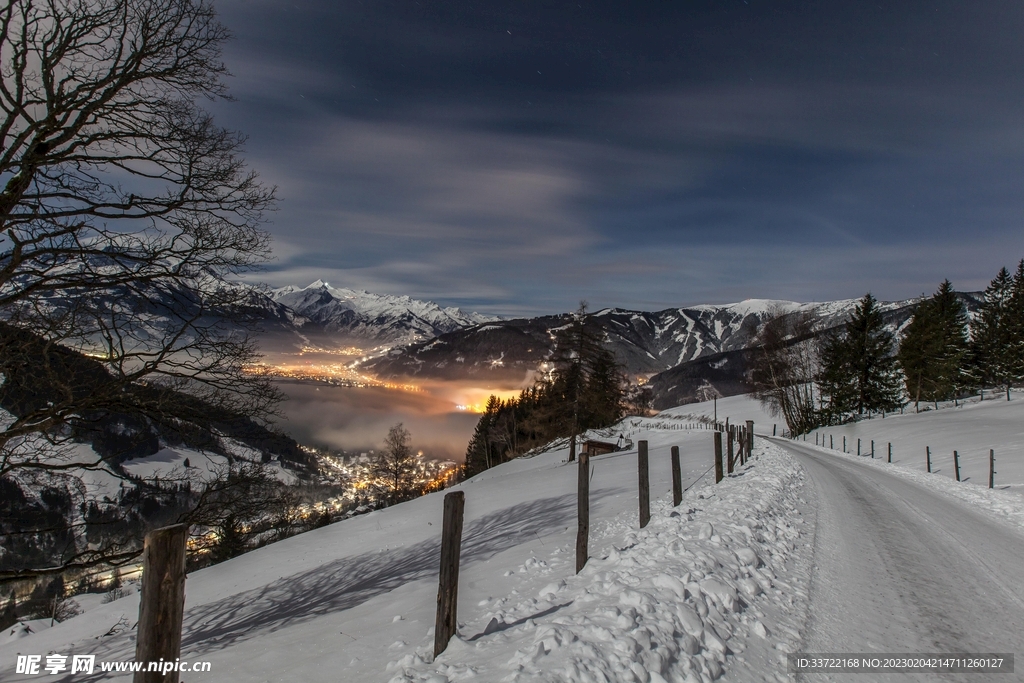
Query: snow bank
{"points": [[970, 429], [737, 408], [1002, 503], [23, 629], [677, 601]]}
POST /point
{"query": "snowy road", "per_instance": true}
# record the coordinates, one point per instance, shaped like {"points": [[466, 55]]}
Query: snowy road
{"points": [[900, 568]]}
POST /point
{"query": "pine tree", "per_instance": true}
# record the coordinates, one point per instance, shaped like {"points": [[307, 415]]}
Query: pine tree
{"points": [[577, 347], [951, 325], [588, 377], [604, 398], [478, 452], [1015, 331], [990, 334], [859, 367], [934, 347], [835, 377], [231, 540], [917, 351], [115, 580]]}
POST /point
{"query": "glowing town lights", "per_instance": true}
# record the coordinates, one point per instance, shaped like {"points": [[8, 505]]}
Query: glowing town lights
{"points": [[356, 477], [347, 351], [335, 374]]}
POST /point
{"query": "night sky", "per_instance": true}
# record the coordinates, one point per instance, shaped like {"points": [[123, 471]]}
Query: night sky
{"points": [[515, 157]]}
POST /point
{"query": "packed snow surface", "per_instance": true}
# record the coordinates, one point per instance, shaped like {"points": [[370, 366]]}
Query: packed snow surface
{"points": [[903, 566]]}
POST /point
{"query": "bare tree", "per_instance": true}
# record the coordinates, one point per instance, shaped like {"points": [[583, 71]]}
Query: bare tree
{"points": [[784, 367], [395, 465], [124, 213]]}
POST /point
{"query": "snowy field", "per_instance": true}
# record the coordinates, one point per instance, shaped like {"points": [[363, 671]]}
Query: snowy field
{"points": [[720, 588], [355, 601], [738, 409], [970, 429]]}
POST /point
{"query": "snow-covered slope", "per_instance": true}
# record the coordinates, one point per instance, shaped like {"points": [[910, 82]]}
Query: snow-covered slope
{"points": [[720, 588], [379, 318], [972, 429], [355, 601]]}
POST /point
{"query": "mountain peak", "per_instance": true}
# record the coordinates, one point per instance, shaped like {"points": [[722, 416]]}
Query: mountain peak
{"points": [[374, 317]]}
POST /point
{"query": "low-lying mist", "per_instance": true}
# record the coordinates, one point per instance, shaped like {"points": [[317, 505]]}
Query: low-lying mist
{"points": [[440, 416]]}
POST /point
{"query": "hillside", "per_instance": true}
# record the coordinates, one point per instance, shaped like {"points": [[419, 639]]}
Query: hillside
{"points": [[357, 597], [719, 588], [99, 477]]}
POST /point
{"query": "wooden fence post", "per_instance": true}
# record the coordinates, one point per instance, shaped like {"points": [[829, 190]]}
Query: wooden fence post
{"points": [[162, 602], [844, 443], [773, 429], [872, 449], [447, 622], [645, 483], [831, 444], [928, 457], [718, 457], [956, 464], [729, 451], [750, 437], [677, 478], [858, 446], [583, 510], [991, 468], [890, 451]]}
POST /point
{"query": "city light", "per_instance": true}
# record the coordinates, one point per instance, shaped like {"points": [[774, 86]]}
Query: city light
{"points": [[333, 374]]}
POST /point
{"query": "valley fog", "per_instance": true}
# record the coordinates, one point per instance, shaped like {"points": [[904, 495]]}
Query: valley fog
{"points": [[358, 418]]}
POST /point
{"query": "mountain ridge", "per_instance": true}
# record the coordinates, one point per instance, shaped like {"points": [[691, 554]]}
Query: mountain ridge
{"points": [[369, 317], [645, 342]]}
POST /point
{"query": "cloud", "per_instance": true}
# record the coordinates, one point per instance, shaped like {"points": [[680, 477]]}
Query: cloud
{"points": [[418, 151]]}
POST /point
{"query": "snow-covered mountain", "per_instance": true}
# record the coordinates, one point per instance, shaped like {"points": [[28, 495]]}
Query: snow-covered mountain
{"points": [[644, 342], [378, 318]]}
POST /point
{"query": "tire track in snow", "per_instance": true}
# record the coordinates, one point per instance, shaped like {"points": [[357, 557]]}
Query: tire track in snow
{"points": [[902, 568]]}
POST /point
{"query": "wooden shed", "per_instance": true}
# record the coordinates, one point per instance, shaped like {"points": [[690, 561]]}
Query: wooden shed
{"points": [[592, 447]]}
